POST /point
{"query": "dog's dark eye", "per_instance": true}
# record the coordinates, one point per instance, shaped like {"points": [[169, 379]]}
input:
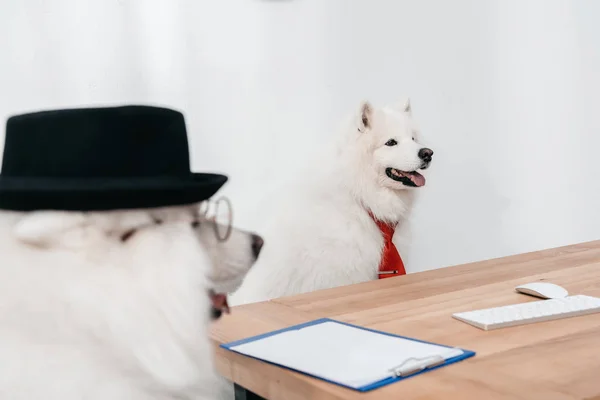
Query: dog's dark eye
{"points": [[127, 235], [413, 138], [391, 142], [195, 224]]}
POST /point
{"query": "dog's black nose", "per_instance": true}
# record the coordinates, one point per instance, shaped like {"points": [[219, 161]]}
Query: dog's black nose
{"points": [[425, 154], [257, 244]]}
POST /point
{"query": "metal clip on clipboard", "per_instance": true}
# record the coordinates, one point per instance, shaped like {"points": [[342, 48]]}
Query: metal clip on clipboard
{"points": [[413, 365]]}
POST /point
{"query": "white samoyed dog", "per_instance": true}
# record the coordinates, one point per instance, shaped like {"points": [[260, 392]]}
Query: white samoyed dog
{"points": [[113, 305], [320, 233]]}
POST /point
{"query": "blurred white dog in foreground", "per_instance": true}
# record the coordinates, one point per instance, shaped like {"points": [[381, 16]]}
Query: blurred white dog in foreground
{"points": [[111, 271], [112, 305]]}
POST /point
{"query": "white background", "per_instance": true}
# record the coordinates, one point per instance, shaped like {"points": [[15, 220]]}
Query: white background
{"points": [[507, 93]]}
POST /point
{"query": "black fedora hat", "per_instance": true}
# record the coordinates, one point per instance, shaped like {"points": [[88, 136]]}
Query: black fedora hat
{"points": [[107, 158]]}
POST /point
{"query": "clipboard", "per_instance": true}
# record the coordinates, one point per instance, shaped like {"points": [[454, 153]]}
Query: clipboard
{"points": [[310, 355]]}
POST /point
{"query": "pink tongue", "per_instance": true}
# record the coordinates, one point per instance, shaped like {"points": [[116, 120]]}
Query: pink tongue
{"points": [[417, 179], [219, 301]]}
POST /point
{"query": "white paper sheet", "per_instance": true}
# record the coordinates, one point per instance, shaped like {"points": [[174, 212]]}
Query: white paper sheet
{"points": [[340, 353]]}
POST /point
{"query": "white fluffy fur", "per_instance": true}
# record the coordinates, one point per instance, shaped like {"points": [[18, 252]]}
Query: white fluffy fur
{"points": [[84, 315], [319, 234]]}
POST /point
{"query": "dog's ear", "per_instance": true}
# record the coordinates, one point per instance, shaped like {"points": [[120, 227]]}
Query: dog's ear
{"points": [[365, 116], [48, 228], [408, 107], [404, 107]]}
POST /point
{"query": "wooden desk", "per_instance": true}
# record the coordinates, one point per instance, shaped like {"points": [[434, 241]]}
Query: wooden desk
{"points": [[549, 360]]}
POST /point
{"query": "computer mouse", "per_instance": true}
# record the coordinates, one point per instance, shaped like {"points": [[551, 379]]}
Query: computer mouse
{"points": [[544, 290]]}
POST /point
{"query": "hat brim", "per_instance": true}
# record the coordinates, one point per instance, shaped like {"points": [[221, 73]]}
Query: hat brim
{"points": [[104, 194]]}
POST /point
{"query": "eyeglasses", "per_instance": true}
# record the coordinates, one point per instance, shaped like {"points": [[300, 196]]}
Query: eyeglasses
{"points": [[220, 213]]}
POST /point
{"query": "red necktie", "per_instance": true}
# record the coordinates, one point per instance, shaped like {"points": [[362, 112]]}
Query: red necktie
{"points": [[391, 263]]}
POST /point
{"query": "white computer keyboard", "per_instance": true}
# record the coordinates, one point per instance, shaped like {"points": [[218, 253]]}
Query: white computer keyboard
{"points": [[527, 313]]}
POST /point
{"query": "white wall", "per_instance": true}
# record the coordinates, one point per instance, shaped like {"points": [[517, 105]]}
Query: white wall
{"points": [[505, 91]]}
